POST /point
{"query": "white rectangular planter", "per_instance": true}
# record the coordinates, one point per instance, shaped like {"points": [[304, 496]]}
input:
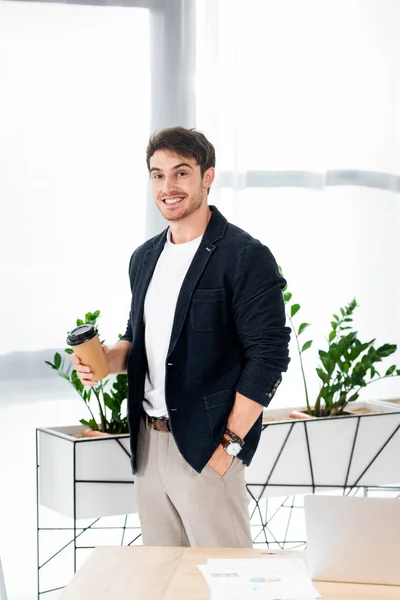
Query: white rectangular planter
{"points": [[85, 477], [301, 456], [394, 403]]}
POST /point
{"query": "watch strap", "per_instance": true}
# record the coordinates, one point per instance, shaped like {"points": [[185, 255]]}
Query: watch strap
{"points": [[225, 442], [234, 437]]}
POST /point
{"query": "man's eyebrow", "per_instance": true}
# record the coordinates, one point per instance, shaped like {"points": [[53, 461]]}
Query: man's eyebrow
{"points": [[183, 165], [173, 168]]}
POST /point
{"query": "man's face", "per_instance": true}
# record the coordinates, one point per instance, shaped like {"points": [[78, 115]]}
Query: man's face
{"points": [[178, 187]]}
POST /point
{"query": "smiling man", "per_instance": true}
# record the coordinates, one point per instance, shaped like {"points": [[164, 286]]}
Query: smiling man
{"points": [[204, 349]]}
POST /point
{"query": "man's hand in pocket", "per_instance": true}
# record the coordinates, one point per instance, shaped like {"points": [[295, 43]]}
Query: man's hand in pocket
{"points": [[220, 461]]}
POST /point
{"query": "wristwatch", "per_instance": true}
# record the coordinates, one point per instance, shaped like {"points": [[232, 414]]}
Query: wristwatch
{"points": [[231, 448]]}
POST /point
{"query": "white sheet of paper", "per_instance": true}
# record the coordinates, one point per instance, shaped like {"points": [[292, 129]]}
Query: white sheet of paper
{"points": [[259, 579]]}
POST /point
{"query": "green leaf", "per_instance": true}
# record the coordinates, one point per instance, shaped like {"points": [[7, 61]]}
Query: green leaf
{"points": [[91, 424], [321, 374], [294, 309], [69, 350], [287, 296], [390, 370], [336, 317], [332, 335], [57, 360], [334, 324], [50, 364], [109, 401], [79, 322], [302, 328], [386, 350], [353, 397], [96, 314], [306, 346]]}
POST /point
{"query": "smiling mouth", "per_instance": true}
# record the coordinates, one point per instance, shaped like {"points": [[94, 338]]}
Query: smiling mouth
{"points": [[173, 201]]}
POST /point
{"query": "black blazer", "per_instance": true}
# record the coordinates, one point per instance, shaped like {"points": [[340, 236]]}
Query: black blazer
{"points": [[228, 335]]}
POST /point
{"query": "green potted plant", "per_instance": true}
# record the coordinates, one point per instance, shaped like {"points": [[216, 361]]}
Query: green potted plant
{"points": [[109, 398], [335, 440], [84, 469], [346, 366]]}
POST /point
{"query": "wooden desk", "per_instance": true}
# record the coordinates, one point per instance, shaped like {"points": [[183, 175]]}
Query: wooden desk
{"points": [[150, 573]]}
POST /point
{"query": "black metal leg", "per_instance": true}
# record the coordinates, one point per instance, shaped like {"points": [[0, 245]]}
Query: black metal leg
{"points": [[77, 531]]}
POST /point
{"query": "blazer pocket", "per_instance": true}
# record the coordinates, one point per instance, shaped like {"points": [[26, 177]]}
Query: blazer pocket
{"points": [[208, 310], [218, 407]]}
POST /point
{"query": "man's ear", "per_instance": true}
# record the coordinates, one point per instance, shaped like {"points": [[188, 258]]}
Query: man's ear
{"points": [[208, 178]]}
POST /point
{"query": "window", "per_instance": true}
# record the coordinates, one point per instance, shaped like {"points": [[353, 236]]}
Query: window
{"points": [[75, 120]]}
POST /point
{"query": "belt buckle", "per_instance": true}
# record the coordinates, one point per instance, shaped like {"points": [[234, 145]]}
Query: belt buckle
{"points": [[150, 422], [164, 424]]}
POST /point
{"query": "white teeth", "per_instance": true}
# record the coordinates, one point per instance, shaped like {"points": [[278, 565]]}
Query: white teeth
{"points": [[172, 200]]}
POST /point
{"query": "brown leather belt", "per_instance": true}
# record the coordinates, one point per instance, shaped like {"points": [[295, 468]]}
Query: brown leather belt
{"points": [[157, 423]]}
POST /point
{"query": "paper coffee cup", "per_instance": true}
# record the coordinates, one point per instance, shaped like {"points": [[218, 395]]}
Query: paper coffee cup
{"points": [[86, 345]]}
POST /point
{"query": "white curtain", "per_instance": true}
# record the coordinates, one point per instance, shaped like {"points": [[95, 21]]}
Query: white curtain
{"points": [[302, 102], [74, 122]]}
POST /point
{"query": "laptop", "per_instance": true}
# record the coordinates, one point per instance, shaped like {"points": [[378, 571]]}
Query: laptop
{"points": [[353, 539]]}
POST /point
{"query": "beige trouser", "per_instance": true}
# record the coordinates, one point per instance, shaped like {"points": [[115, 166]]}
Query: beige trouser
{"points": [[180, 507]]}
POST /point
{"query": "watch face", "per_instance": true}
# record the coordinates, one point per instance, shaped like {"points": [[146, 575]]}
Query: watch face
{"points": [[233, 448]]}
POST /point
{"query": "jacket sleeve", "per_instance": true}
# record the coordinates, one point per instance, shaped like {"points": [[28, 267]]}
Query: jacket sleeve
{"points": [[128, 335], [128, 332], [259, 313]]}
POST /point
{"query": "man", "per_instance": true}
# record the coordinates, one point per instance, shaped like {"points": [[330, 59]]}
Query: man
{"points": [[204, 350]]}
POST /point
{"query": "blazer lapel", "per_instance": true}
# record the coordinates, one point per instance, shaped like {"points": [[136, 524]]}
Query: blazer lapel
{"points": [[195, 270], [146, 273], [215, 230]]}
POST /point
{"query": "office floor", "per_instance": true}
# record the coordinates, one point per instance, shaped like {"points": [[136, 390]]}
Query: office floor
{"points": [[25, 405]]}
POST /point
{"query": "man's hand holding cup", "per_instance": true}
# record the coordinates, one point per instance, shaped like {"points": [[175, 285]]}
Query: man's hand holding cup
{"points": [[90, 357]]}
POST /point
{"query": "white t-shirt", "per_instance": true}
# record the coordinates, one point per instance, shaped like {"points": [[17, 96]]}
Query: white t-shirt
{"points": [[159, 311]]}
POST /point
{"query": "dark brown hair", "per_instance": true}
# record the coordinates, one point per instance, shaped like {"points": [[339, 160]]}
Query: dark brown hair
{"points": [[185, 142]]}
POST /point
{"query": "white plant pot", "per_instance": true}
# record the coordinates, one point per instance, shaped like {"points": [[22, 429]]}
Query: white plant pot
{"points": [[85, 477], [302, 456]]}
